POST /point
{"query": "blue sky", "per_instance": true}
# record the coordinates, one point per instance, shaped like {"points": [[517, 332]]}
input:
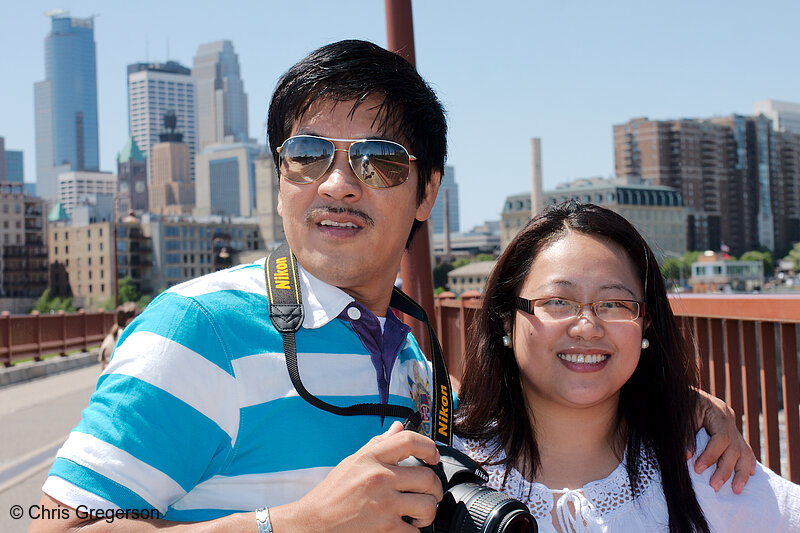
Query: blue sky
{"points": [[506, 70]]}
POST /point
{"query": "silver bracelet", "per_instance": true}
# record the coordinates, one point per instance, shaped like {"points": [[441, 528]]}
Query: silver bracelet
{"points": [[263, 521]]}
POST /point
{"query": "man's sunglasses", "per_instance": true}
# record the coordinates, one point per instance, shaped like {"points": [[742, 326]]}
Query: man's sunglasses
{"points": [[376, 162]]}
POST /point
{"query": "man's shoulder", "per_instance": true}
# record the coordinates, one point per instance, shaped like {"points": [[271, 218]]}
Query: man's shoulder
{"points": [[248, 278]]}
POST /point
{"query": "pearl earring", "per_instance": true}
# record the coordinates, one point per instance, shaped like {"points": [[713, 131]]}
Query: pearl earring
{"points": [[645, 344], [506, 341]]}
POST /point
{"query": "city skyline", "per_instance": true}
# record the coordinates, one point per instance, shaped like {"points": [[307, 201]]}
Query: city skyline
{"points": [[565, 74]]}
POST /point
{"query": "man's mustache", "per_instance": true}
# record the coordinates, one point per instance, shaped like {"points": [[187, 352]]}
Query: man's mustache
{"points": [[317, 212]]}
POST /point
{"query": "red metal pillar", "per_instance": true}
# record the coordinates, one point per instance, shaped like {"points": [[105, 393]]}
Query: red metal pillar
{"points": [[416, 265]]}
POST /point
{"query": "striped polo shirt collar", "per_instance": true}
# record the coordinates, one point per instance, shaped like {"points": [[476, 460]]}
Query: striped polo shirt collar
{"points": [[322, 302]]}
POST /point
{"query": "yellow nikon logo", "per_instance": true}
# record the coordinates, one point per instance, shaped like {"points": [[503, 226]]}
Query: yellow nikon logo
{"points": [[281, 275], [444, 411]]}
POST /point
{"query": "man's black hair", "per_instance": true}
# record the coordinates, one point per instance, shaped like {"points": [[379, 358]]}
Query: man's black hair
{"points": [[355, 70]]}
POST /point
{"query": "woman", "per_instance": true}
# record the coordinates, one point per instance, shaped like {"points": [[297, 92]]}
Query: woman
{"points": [[577, 394], [124, 315]]}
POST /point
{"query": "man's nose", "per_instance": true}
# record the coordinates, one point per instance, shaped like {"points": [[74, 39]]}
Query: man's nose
{"points": [[339, 182]]}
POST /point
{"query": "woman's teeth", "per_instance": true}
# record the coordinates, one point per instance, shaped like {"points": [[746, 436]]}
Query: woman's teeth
{"points": [[583, 359]]}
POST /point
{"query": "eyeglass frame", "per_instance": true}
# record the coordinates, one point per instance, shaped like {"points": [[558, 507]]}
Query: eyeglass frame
{"points": [[526, 305], [349, 158]]}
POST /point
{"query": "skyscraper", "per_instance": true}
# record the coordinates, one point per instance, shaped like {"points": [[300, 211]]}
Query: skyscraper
{"points": [[172, 190], [221, 100], [226, 179], [785, 116], [450, 188], [154, 89], [66, 102], [10, 164]]}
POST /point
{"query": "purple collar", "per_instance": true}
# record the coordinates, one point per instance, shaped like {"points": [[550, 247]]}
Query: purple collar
{"points": [[383, 346]]}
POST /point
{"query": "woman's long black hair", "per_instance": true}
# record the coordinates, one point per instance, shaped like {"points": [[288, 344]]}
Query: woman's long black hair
{"points": [[656, 405]]}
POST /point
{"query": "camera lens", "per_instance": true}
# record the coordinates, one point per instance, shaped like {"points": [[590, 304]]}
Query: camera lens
{"points": [[518, 522], [473, 508]]}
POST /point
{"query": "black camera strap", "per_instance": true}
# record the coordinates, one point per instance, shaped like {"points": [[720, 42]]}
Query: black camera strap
{"points": [[286, 314]]}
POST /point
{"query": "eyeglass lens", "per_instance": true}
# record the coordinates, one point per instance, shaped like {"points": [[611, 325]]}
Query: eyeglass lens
{"points": [[609, 310], [377, 163]]}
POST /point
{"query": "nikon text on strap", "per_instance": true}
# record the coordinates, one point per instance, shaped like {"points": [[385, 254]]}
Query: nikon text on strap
{"points": [[286, 313]]}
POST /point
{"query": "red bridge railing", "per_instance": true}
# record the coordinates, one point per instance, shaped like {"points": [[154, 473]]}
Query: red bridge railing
{"points": [[747, 349], [35, 335]]}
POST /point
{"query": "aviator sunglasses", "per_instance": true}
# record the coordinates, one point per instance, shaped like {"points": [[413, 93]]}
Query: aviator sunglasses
{"points": [[376, 162]]}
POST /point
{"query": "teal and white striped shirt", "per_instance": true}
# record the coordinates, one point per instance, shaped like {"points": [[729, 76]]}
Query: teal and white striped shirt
{"points": [[197, 418]]}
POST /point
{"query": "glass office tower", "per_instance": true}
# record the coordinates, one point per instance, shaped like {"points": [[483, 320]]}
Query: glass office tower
{"points": [[66, 103]]}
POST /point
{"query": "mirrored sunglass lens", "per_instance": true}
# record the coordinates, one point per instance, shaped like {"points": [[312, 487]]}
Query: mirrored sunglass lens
{"points": [[305, 159], [380, 163]]}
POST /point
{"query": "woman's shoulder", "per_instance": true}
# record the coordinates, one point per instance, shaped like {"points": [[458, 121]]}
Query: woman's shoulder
{"points": [[768, 502], [480, 450]]}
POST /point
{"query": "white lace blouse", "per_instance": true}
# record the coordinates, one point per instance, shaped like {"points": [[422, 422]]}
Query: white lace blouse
{"points": [[769, 502]]}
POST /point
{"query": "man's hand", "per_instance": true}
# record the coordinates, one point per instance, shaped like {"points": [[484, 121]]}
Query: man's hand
{"points": [[727, 446], [368, 491]]}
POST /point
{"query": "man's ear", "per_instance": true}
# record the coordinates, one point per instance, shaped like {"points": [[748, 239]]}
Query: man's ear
{"points": [[431, 190]]}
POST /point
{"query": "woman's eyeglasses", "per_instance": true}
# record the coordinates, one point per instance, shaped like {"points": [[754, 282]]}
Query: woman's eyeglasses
{"points": [[561, 308], [376, 162]]}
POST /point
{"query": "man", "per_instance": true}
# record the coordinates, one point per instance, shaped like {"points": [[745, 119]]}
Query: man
{"points": [[196, 416]]}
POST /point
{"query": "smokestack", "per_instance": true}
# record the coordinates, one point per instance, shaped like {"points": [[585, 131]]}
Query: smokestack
{"points": [[446, 250], [537, 195]]}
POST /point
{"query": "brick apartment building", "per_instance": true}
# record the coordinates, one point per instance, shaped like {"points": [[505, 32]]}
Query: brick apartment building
{"points": [[739, 178]]}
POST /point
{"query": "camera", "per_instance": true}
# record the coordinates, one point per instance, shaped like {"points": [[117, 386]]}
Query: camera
{"points": [[468, 506]]}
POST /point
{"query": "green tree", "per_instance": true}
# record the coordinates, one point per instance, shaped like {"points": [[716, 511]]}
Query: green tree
{"points": [[128, 292], [49, 304], [794, 255], [142, 302], [440, 275], [763, 256], [688, 258], [671, 269]]}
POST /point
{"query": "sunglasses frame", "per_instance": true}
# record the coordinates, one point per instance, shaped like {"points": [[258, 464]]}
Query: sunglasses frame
{"points": [[349, 158]]}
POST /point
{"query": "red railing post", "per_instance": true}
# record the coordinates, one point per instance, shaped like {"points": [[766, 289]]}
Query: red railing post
{"points": [[5, 316], [38, 335], [63, 333], [733, 371], [750, 386], [791, 399], [85, 320], [769, 396], [701, 337], [716, 359]]}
